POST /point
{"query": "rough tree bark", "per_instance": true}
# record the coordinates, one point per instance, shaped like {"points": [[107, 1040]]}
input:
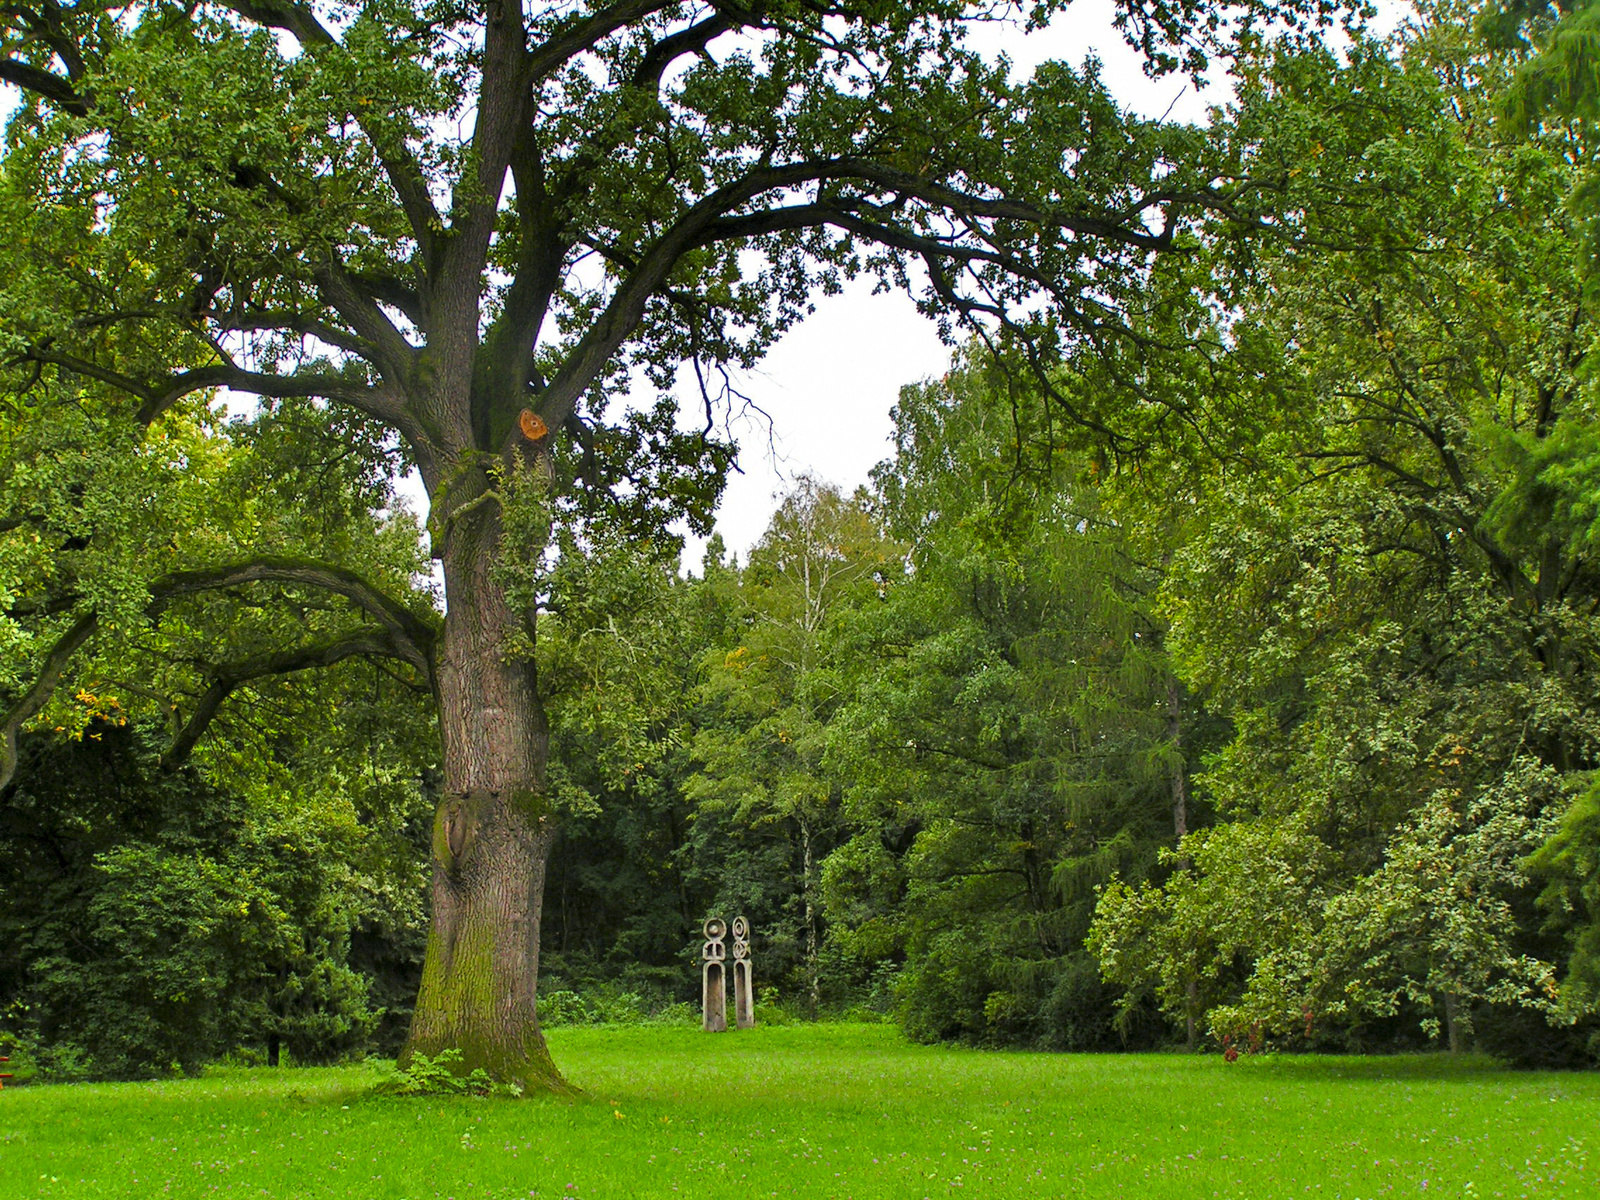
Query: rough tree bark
{"points": [[492, 833]]}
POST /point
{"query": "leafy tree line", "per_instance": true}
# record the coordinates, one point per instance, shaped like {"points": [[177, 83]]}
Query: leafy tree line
{"points": [[1212, 659], [1273, 724], [908, 768], [447, 237], [1392, 599]]}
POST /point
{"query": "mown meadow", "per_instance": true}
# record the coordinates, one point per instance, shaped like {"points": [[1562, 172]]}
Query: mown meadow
{"points": [[825, 1111]]}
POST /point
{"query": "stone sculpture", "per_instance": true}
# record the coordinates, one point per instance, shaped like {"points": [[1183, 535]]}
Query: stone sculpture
{"points": [[713, 980]]}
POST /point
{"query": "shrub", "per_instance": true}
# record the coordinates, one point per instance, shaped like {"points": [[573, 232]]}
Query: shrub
{"points": [[562, 1007], [442, 1076], [681, 1013]]}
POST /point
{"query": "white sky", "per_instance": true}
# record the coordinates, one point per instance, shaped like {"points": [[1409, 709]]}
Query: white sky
{"points": [[830, 383]]}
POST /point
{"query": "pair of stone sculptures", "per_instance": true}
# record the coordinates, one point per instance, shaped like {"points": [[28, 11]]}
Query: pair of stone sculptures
{"points": [[713, 977]]}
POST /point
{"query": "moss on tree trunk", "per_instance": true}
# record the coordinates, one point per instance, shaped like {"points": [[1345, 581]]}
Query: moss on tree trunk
{"points": [[480, 976], [492, 835]]}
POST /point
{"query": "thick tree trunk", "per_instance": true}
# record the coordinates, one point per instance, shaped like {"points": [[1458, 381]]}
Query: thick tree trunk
{"points": [[491, 837]]}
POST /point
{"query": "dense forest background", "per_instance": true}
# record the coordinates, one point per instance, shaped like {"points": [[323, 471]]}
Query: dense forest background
{"points": [[1264, 714]]}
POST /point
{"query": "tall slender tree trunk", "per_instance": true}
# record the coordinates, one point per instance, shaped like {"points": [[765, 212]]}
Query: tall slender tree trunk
{"points": [[491, 836], [810, 918], [1180, 830]]}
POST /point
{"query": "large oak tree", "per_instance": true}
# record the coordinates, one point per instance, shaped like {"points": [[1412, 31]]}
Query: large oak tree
{"points": [[467, 225]]}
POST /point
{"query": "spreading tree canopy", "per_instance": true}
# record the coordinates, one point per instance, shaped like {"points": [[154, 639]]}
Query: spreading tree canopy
{"points": [[446, 234]]}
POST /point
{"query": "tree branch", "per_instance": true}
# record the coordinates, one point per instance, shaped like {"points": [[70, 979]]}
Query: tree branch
{"points": [[289, 322], [399, 165], [390, 352], [406, 636], [411, 636], [52, 87], [708, 221], [691, 41], [386, 289], [504, 107], [621, 316], [567, 43], [225, 681], [38, 695], [1120, 227], [570, 185], [159, 396]]}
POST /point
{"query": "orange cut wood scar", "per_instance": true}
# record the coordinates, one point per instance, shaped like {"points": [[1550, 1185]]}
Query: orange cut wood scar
{"points": [[533, 427]]}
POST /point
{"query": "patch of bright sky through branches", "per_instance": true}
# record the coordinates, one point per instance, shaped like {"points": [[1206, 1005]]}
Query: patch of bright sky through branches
{"points": [[819, 403], [830, 383]]}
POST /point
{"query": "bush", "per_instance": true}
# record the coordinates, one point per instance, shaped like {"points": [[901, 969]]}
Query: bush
{"points": [[442, 1076], [862, 1014], [182, 956], [680, 1013], [1080, 1013], [1526, 1039], [945, 992], [562, 1007], [619, 1008], [172, 922], [605, 1004], [24, 1064]]}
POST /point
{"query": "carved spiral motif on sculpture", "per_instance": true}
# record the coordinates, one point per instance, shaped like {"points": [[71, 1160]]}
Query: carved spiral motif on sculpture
{"points": [[741, 929]]}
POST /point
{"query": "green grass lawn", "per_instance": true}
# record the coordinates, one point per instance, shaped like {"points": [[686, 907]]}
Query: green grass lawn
{"points": [[825, 1111]]}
